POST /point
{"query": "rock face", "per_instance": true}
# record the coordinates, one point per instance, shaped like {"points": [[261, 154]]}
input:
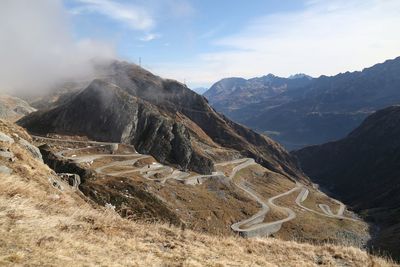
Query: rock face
{"points": [[363, 170], [159, 117], [322, 110], [31, 148], [13, 108]]}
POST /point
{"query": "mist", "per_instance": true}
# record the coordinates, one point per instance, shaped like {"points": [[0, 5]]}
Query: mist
{"points": [[37, 48]]}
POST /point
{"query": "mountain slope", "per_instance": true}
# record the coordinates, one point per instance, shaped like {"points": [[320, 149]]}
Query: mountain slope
{"points": [[324, 110], [13, 108], [363, 170], [160, 117], [45, 222]]}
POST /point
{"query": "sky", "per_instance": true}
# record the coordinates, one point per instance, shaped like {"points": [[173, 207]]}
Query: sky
{"points": [[202, 41]]}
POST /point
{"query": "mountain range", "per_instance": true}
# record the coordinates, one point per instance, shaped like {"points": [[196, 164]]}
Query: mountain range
{"points": [[153, 150], [160, 117], [303, 111]]}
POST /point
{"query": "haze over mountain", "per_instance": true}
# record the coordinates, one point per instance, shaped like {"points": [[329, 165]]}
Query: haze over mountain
{"points": [[233, 96], [314, 111], [13, 108], [363, 170]]}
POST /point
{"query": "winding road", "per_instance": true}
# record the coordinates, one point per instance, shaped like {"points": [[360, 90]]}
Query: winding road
{"points": [[147, 171], [250, 227]]}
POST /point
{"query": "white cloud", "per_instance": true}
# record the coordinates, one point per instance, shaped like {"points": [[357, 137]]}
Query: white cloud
{"points": [[135, 17], [150, 37], [37, 48], [327, 37]]}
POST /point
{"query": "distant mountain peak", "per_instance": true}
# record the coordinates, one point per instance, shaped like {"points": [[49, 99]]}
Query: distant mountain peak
{"points": [[270, 76], [299, 76]]}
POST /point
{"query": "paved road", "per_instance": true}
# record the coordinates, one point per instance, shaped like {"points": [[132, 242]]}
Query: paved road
{"points": [[255, 225], [70, 140], [326, 209], [326, 212], [250, 227], [147, 171]]}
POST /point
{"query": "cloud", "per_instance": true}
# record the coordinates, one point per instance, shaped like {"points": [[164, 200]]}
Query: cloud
{"points": [[150, 37], [134, 17], [326, 37], [37, 48]]}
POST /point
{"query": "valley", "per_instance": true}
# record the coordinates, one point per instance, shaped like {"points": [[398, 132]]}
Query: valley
{"points": [[265, 217]]}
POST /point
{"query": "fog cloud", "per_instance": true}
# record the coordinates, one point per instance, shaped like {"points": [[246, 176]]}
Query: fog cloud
{"points": [[37, 48]]}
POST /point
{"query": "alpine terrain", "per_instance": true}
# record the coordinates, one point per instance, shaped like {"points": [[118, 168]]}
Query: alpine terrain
{"points": [[156, 151], [302, 111]]}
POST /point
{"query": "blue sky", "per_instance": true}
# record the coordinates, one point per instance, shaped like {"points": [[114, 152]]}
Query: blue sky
{"points": [[197, 41], [176, 30], [202, 41]]}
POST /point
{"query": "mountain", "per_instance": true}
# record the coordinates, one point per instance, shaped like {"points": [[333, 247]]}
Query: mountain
{"points": [[231, 96], [200, 90], [363, 170], [41, 213], [160, 117], [324, 109], [153, 150], [13, 108]]}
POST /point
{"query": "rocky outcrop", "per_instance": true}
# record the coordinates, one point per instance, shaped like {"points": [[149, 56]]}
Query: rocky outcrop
{"points": [[31, 148], [104, 112], [63, 166], [5, 170]]}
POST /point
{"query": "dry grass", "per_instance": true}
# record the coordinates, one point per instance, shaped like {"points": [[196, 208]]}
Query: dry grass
{"points": [[43, 226], [48, 227]]}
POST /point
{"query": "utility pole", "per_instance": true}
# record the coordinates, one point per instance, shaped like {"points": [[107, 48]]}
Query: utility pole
{"points": [[140, 61]]}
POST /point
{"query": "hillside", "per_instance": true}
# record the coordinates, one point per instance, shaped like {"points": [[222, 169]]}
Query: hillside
{"points": [[363, 170], [325, 109], [47, 222], [13, 108], [160, 117]]}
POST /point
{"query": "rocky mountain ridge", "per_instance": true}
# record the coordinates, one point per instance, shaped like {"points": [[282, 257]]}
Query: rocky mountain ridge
{"points": [[160, 117]]}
